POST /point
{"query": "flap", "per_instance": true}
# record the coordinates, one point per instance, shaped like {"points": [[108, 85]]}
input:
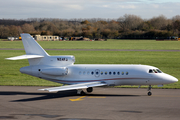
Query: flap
{"points": [[75, 86]]}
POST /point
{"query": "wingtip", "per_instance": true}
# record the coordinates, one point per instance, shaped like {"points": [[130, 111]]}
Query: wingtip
{"points": [[42, 89], [9, 59]]}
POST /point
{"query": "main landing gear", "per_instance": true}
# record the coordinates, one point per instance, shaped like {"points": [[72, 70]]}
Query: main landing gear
{"points": [[81, 92], [89, 90], [149, 89]]}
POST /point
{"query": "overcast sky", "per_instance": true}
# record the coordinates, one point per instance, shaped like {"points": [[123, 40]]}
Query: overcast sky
{"points": [[67, 9]]}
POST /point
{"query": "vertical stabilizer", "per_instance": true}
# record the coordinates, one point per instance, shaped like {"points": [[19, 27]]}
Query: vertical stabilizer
{"points": [[36, 55], [31, 46]]}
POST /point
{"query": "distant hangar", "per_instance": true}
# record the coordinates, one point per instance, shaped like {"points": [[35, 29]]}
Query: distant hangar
{"points": [[46, 38]]}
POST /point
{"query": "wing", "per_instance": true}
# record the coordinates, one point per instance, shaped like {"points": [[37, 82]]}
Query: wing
{"points": [[75, 86]]}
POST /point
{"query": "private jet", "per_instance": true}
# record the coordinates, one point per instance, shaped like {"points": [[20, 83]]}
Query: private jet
{"points": [[61, 69]]}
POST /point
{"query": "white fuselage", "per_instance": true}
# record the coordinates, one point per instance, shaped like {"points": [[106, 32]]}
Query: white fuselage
{"points": [[110, 74]]}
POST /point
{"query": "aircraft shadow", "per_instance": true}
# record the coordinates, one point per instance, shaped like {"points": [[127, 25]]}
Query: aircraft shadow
{"points": [[62, 94], [112, 95]]}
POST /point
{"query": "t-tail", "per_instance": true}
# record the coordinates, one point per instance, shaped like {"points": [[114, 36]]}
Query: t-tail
{"points": [[36, 55], [34, 52]]}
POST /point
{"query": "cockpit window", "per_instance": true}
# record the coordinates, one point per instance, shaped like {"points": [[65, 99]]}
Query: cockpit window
{"points": [[150, 71], [159, 71], [155, 71]]}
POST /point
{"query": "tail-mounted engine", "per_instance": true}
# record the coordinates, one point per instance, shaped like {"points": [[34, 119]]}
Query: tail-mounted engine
{"points": [[55, 71]]}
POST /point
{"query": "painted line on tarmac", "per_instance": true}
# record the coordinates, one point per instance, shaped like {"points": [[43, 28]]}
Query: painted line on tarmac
{"points": [[81, 98], [78, 99]]}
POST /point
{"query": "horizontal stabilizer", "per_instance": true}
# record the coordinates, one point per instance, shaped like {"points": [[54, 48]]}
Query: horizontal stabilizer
{"points": [[25, 57], [75, 86]]}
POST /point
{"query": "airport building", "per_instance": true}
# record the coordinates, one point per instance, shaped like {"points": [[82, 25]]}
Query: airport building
{"points": [[46, 38]]}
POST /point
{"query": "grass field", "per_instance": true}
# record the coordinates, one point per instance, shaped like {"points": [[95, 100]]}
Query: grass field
{"points": [[168, 62], [110, 44]]}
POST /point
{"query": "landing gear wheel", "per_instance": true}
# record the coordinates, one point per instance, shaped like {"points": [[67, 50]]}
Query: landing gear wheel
{"points": [[149, 93], [89, 90], [82, 93], [149, 89]]}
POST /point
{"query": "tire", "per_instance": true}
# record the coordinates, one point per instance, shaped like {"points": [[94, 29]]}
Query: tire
{"points": [[149, 93], [82, 93], [89, 90]]}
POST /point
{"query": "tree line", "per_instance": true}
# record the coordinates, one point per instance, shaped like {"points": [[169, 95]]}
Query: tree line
{"points": [[127, 26]]}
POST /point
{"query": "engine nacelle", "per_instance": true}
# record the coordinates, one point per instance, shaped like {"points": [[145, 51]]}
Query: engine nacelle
{"points": [[55, 71]]}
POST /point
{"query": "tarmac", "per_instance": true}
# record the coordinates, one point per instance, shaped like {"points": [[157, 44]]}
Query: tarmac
{"points": [[22, 102]]}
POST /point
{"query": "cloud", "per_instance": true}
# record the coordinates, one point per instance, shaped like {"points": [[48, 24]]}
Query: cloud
{"points": [[127, 6], [74, 7], [105, 6], [155, 5], [159, 1], [87, 8]]}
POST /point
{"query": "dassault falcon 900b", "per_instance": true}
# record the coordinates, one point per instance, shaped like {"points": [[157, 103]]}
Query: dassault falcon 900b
{"points": [[61, 69]]}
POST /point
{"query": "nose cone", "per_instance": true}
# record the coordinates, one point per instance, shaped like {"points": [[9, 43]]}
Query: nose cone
{"points": [[174, 79], [170, 78]]}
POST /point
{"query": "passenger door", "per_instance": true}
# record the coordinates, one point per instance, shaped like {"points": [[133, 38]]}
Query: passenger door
{"points": [[97, 73]]}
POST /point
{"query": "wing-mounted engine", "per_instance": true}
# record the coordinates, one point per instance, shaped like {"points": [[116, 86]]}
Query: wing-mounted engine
{"points": [[55, 71]]}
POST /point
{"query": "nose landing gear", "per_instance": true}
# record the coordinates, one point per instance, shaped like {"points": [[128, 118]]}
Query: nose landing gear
{"points": [[149, 89]]}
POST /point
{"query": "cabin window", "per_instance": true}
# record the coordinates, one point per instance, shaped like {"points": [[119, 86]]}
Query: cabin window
{"points": [[97, 73], [84, 73], [127, 73], [118, 73], [80, 73], [122, 73], [92, 73], [114, 73], [101, 73], [88, 72], [109, 73], [105, 73]]}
